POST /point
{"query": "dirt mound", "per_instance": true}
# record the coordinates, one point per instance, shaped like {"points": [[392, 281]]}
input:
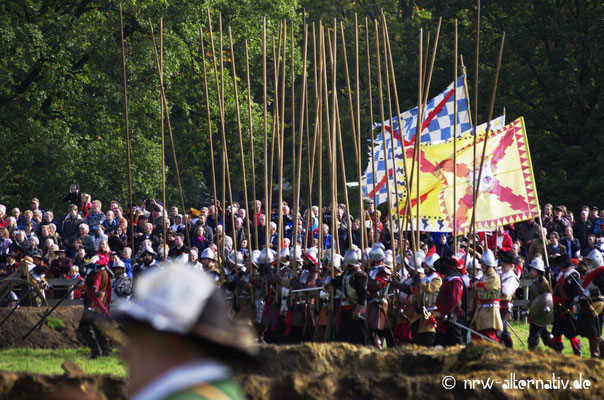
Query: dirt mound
{"points": [[343, 371], [25, 318], [60, 387]]}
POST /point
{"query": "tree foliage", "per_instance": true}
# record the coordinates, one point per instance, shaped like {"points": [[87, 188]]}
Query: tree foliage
{"points": [[61, 102]]}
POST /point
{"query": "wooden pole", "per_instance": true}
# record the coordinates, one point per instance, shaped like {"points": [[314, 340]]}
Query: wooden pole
{"points": [[241, 152], [369, 83], [299, 171], [320, 131], [343, 169], [379, 68], [126, 126], [358, 137], [253, 162], [209, 114], [405, 175], [163, 99], [455, 143], [163, 137], [265, 118], [486, 136], [420, 119], [394, 167], [281, 140], [293, 125]]}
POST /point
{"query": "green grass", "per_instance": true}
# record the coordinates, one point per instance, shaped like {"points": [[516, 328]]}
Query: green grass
{"points": [[48, 361], [522, 330]]}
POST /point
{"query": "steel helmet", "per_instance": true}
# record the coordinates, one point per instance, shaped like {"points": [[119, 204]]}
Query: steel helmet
{"points": [[351, 259], [380, 245], [208, 253], [596, 259], [284, 256], [376, 254], [296, 254], [237, 259], [255, 255], [266, 258], [537, 264], [472, 264], [429, 261], [389, 261], [488, 258], [311, 255], [118, 264]]}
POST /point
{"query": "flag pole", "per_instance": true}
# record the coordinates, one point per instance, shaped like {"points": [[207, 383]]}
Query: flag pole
{"points": [[474, 181], [418, 133], [126, 126]]}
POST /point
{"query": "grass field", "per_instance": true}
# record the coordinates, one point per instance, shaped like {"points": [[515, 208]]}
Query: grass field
{"points": [[48, 361], [45, 361]]}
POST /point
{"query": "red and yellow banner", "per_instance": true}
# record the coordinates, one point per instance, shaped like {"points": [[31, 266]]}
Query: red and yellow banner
{"points": [[507, 191]]}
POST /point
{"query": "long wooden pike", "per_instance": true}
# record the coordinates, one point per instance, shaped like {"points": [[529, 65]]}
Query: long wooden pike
{"points": [[208, 112], [281, 140], [126, 125], [420, 115], [163, 99], [334, 170], [486, 136], [394, 167], [320, 142], [252, 207], [293, 125], [343, 170], [265, 119], [455, 71], [163, 137], [405, 174], [358, 137], [241, 152], [369, 84], [382, 119], [303, 107], [476, 66], [355, 134]]}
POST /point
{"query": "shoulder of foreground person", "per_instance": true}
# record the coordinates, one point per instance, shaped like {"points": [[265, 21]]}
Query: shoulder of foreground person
{"points": [[227, 389]]}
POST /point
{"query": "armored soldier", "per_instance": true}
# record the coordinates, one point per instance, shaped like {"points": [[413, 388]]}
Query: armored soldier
{"points": [[539, 293], [487, 319], [182, 352], [209, 262], [448, 303], [121, 286], [589, 322], [426, 284], [566, 290], [97, 286], [509, 284], [351, 325], [380, 276], [303, 303]]}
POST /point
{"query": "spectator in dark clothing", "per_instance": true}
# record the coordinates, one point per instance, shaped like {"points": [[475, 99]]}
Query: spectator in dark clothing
{"points": [[74, 196], [179, 246], [582, 228], [199, 240], [591, 244], [557, 224], [147, 234], [573, 247], [442, 248], [117, 240], [61, 265]]}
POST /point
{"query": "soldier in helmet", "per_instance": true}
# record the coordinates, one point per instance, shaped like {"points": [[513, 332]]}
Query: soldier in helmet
{"points": [[178, 352], [487, 319], [147, 262], [324, 306], [539, 287], [209, 263], [303, 305], [509, 284], [380, 277], [591, 304], [351, 325], [96, 305], [566, 290], [449, 307], [234, 279], [428, 286]]}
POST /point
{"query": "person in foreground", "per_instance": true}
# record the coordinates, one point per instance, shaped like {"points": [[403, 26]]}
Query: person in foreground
{"points": [[182, 342]]}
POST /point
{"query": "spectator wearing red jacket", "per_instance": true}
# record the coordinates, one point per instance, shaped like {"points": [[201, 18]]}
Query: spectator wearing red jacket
{"points": [[500, 241]]}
